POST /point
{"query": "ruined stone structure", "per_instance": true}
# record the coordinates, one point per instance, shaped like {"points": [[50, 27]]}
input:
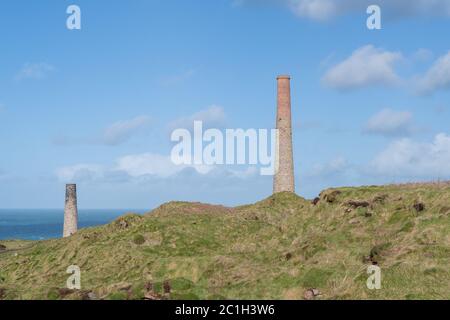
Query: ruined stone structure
{"points": [[70, 211], [284, 175]]}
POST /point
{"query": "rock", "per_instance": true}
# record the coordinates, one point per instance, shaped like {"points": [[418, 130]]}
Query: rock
{"points": [[87, 295], [92, 296], [120, 286], [311, 294], [2, 247], [125, 287], [419, 206], [152, 296], [316, 292], [123, 224], [315, 201]]}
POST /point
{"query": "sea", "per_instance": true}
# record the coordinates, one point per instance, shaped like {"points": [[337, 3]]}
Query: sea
{"points": [[41, 224]]}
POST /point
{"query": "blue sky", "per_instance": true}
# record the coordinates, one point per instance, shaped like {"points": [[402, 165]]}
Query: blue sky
{"points": [[96, 106]]}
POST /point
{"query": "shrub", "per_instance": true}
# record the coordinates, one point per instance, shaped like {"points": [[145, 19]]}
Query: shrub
{"points": [[181, 284], [139, 239]]}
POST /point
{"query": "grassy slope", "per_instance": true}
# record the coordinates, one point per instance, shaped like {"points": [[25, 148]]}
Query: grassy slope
{"points": [[274, 249]]}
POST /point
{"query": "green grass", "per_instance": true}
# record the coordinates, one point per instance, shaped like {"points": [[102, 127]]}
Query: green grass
{"points": [[274, 249]]}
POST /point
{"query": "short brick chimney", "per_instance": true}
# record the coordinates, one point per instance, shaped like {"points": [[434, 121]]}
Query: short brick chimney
{"points": [[70, 211]]}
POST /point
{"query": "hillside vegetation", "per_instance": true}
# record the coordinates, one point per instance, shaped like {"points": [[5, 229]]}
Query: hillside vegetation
{"points": [[274, 249]]}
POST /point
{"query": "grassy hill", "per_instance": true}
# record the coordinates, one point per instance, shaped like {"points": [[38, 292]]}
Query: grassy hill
{"points": [[274, 249]]}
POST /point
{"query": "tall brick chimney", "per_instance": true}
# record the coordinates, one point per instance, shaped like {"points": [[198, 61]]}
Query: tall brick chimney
{"points": [[284, 176], [70, 211]]}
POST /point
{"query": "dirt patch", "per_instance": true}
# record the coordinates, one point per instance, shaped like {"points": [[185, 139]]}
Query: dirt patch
{"points": [[150, 293], [293, 294], [378, 253], [64, 292], [357, 204], [419, 206]]}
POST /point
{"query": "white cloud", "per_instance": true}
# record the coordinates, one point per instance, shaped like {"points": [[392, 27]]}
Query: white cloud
{"points": [[178, 78], [154, 164], [115, 134], [80, 172], [419, 160], [334, 166], [126, 168], [321, 10], [249, 172], [121, 131], [212, 117], [34, 71], [422, 55], [437, 77], [417, 7], [390, 123], [148, 164], [314, 9], [365, 67]]}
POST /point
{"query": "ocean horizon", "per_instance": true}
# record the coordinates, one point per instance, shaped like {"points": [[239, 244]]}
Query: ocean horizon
{"points": [[42, 224]]}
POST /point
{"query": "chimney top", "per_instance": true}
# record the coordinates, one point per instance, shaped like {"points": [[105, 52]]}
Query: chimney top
{"points": [[284, 76]]}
